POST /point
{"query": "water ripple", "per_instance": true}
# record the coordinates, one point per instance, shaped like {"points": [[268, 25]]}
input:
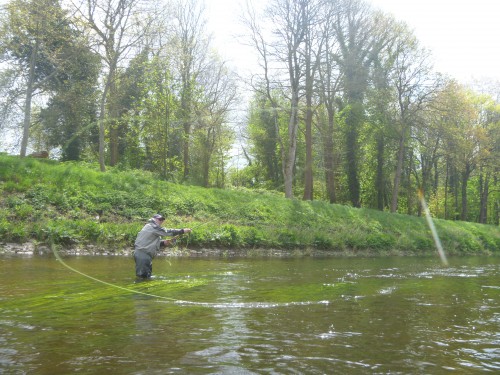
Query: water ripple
{"points": [[248, 305]]}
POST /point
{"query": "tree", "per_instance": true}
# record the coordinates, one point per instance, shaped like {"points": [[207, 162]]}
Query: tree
{"points": [[264, 128], [266, 112], [115, 27], [468, 124], [489, 169], [313, 45], [290, 29], [212, 115], [361, 37], [157, 111], [70, 114], [285, 51], [329, 88], [35, 37], [414, 87], [191, 45]]}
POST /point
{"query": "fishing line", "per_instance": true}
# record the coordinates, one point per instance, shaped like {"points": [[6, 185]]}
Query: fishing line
{"points": [[239, 305], [251, 305], [58, 257]]}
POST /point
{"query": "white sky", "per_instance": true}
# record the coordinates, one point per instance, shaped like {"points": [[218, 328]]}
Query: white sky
{"points": [[462, 35]]}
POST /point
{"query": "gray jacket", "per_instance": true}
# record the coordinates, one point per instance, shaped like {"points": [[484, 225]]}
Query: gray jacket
{"points": [[149, 238]]}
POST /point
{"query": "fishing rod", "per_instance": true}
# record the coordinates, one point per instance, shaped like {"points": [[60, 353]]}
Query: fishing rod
{"points": [[58, 257], [174, 238], [179, 301], [252, 305]]}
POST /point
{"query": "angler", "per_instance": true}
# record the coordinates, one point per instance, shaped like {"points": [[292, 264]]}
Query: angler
{"points": [[148, 243]]}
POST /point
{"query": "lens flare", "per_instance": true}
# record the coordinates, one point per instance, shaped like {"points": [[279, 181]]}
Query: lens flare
{"points": [[428, 217]]}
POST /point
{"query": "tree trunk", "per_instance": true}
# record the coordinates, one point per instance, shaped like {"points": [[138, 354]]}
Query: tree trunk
{"points": [[353, 122], [186, 114], [496, 207], [465, 181], [102, 119], [484, 191], [114, 125], [289, 162], [328, 158], [446, 181], [308, 173], [27, 104], [399, 170], [308, 183], [185, 148], [113, 142], [380, 179], [207, 152]]}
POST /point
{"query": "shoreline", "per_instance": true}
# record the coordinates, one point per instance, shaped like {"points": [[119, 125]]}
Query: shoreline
{"points": [[34, 249], [42, 249]]}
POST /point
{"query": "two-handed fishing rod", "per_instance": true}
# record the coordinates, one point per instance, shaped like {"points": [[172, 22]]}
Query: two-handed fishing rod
{"points": [[206, 304], [173, 239], [58, 257]]}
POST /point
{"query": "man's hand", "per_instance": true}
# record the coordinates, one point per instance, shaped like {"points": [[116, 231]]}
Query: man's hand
{"points": [[169, 242], [187, 230]]}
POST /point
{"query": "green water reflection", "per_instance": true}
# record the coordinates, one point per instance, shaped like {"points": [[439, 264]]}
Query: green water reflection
{"points": [[250, 316]]}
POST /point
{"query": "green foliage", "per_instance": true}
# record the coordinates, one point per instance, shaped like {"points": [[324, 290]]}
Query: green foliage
{"points": [[264, 121], [59, 203]]}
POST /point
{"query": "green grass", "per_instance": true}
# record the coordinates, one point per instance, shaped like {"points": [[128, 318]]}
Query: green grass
{"points": [[48, 202]]}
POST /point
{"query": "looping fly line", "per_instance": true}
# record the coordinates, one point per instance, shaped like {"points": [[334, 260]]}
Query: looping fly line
{"points": [[58, 257]]}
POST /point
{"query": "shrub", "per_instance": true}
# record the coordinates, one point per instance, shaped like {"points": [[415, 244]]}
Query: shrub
{"points": [[13, 186], [17, 233], [227, 236], [322, 243], [254, 237], [380, 241], [23, 211], [288, 239], [61, 233]]}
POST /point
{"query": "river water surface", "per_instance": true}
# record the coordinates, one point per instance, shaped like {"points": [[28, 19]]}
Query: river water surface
{"points": [[250, 316]]}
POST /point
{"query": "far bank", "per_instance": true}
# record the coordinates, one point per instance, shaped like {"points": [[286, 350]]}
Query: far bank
{"points": [[80, 209], [31, 249]]}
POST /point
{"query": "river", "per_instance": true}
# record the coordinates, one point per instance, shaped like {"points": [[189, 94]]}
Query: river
{"points": [[395, 315]]}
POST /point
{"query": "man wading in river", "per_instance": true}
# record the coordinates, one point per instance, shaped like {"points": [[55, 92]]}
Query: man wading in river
{"points": [[148, 243]]}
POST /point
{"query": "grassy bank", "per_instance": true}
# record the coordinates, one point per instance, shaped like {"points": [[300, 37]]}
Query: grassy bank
{"points": [[48, 202]]}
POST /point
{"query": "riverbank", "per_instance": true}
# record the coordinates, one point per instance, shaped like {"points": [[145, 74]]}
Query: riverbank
{"points": [[84, 211], [32, 249]]}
